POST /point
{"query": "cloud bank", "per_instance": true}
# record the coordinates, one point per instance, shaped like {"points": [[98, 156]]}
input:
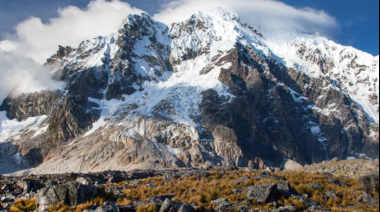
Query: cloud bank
{"points": [[267, 15], [73, 25], [20, 74]]}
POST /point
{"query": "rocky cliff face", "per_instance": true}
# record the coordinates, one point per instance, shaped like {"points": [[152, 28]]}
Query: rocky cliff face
{"points": [[211, 91]]}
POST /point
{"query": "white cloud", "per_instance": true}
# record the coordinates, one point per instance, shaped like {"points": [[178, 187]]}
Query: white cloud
{"points": [[73, 25], [267, 15], [20, 74]]}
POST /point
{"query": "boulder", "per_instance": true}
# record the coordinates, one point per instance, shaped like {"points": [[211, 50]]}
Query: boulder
{"points": [[285, 189], [292, 165], [71, 194], [263, 193], [370, 182]]}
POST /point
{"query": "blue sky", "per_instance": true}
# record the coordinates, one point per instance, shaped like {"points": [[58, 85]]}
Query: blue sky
{"points": [[358, 20]]}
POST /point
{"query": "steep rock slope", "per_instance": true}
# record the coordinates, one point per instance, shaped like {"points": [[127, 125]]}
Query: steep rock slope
{"points": [[211, 91]]}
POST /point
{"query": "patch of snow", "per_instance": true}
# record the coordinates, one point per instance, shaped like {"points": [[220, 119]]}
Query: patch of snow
{"points": [[40, 131], [12, 129], [297, 97], [97, 125]]}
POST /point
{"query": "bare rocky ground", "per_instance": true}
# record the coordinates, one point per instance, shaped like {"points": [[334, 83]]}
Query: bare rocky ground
{"points": [[351, 185], [348, 168]]}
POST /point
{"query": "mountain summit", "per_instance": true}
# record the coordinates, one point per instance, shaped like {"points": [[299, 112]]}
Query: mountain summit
{"points": [[210, 91]]}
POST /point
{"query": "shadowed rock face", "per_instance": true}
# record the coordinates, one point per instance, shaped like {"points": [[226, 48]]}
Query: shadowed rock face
{"points": [[268, 114], [30, 105], [264, 115]]}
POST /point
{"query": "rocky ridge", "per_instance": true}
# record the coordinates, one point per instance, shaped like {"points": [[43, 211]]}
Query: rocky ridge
{"points": [[211, 91]]}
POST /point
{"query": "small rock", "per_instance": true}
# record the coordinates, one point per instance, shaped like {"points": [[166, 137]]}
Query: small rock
{"points": [[135, 183], [6, 187], [292, 166], [304, 199], [166, 206], [18, 191], [318, 208], [316, 186], [106, 208], [6, 200], [219, 201], [237, 191], [115, 191], [244, 209], [186, 208], [287, 209], [25, 185], [224, 207], [84, 181], [150, 185], [333, 181], [366, 197], [331, 195]]}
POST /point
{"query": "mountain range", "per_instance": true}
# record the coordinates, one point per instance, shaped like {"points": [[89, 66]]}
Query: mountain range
{"points": [[211, 91]]}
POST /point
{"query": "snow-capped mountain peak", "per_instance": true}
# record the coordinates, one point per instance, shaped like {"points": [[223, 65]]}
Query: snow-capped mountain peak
{"points": [[208, 91]]}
